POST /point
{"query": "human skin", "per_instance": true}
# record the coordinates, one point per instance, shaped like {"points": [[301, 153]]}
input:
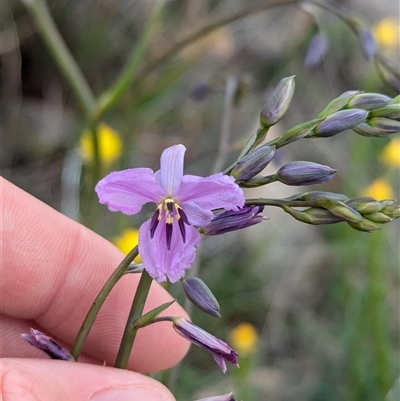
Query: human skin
{"points": [[51, 270]]}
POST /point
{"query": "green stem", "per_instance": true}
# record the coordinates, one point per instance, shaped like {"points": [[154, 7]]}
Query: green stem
{"points": [[282, 203], [117, 90], [98, 302], [136, 311], [40, 13]]}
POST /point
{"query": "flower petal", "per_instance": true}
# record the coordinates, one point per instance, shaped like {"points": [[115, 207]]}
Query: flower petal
{"points": [[196, 215], [171, 169], [127, 191], [213, 192], [161, 263]]}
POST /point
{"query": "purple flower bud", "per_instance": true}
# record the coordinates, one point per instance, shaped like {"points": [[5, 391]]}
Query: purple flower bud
{"points": [[368, 101], [367, 43], [199, 294], [340, 121], [232, 220], [316, 50], [219, 350], [304, 173], [278, 103], [224, 397], [385, 125], [47, 344], [250, 165]]}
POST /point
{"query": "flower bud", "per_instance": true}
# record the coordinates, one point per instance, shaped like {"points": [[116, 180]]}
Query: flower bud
{"points": [[219, 350], [47, 344], [391, 111], [317, 195], [378, 217], [225, 397], [316, 51], [367, 42], [365, 130], [365, 204], [341, 210], [201, 296], [337, 104], [232, 220], [304, 173], [340, 121], [278, 103], [365, 225], [385, 124], [313, 215], [250, 165], [368, 101]]}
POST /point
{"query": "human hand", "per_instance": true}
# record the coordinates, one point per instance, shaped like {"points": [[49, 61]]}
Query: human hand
{"points": [[51, 270]]}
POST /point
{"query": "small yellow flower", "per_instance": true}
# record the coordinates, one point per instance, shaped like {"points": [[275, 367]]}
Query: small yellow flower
{"points": [[110, 144], [244, 339], [379, 189], [390, 155], [126, 241], [386, 32]]}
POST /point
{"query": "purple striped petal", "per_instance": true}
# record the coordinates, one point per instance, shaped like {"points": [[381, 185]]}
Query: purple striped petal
{"points": [[209, 193], [127, 191], [161, 263], [171, 170]]}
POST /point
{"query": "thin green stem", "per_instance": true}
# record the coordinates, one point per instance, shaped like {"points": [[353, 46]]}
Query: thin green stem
{"points": [[282, 203], [40, 13], [108, 99], [136, 311], [98, 302]]}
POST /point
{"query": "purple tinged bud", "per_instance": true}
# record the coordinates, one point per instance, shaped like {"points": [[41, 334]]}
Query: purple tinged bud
{"points": [[278, 103], [340, 121], [391, 111], [365, 130], [368, 101], [224, 397], [219, 350], [316, 51], [368, 44], [378, 217], [253, 163], [200, 295], [304, 173], [313, 215], [232, 220], [385, 125], [47, 344]]}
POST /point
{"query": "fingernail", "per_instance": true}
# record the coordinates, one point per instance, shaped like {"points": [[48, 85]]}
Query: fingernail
{"points": [[130, 393]]}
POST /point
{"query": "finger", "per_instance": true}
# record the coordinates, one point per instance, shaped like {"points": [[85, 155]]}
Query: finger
{"points": [[52, 270], [34, 379]]}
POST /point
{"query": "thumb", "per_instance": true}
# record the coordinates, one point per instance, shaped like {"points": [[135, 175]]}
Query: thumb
{"points": [[49, 380]]}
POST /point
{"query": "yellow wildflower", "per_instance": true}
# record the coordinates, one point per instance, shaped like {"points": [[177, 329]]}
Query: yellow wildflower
{"points": [[110, 144], [386, 32], [379, 189], [244, 339], [390, 155], [126, 241]]}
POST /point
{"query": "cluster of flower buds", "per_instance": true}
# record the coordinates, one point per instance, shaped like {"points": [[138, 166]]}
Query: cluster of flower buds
{"points": [[367, 114], [361, 213]]}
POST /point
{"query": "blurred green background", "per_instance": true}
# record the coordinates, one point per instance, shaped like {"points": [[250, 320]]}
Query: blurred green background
{"points": [[323, 301]]}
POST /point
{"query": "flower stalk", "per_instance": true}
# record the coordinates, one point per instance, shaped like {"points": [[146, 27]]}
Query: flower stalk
{"points": [[98, 302]]}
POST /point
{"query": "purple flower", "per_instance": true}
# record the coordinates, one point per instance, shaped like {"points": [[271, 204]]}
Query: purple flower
{"points": [[167, 241], [219, 350], [47, 344]]}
